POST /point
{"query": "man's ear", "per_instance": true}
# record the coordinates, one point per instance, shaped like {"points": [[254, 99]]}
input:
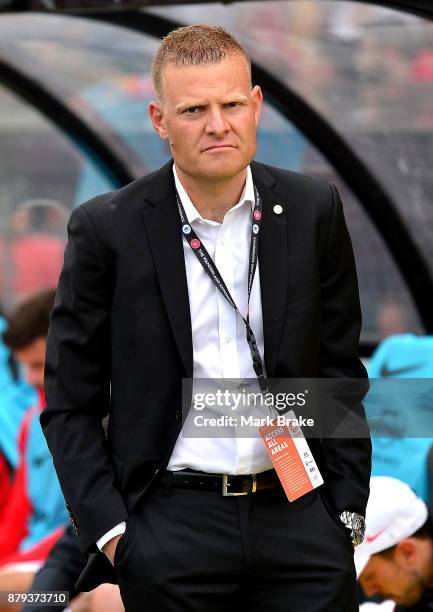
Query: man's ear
{"points": [[406, 552], [157, 117], [257, 97]]}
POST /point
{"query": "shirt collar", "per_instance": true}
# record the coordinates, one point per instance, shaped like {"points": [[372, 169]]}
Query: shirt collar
{"points": [[191, 211]]}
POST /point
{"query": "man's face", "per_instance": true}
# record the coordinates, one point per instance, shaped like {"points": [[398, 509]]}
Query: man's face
{"points": [[209, 114], [395, 577], [32, 358]]}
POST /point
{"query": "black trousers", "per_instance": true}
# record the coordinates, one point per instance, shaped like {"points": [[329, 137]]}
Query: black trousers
{"points": [[194, 551]]}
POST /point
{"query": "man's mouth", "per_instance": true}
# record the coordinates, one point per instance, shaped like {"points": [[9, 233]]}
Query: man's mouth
{"points": [[218, 147]]}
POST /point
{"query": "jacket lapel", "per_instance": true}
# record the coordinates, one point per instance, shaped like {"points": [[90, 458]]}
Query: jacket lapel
{"points": [[272, 263], [162, 225]]}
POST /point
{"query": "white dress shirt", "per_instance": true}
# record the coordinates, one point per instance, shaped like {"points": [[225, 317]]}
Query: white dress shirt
{"points": [[220, 348]]}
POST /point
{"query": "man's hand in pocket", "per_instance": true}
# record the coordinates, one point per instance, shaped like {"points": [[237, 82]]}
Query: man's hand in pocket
{"points": [[110, 548]]}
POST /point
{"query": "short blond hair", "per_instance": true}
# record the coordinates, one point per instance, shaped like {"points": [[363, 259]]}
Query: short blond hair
{"points": [[194, 45]]}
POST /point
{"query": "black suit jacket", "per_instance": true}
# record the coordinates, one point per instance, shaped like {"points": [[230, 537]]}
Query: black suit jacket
{"points": [[121, 319]]}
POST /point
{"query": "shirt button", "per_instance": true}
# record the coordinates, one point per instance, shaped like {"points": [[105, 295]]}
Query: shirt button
{"points": [[223, 241], [228, 339]]}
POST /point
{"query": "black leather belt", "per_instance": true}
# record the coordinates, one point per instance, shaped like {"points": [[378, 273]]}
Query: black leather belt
{"points": [[226, 485]]}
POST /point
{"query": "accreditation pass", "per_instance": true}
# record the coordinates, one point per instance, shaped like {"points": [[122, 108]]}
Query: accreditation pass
{"points": [[291, 457]]}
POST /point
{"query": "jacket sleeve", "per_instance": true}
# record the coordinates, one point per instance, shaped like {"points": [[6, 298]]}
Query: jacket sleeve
{"points": [[348, 458], [77, 385]]}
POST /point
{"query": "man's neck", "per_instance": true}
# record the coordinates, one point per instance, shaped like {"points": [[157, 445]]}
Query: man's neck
{"points": [[213, 199]]}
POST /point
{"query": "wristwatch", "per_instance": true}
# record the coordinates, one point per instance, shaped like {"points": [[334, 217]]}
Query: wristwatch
{"points": [[356, 523]]}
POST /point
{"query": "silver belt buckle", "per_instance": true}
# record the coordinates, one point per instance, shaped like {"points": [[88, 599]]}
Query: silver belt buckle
{"points": [[226, 484]]}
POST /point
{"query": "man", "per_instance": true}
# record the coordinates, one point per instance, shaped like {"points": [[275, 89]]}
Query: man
{"points": [[35, 513], [395, 560], [136, 309]]}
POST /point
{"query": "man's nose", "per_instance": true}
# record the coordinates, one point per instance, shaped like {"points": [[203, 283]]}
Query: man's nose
{"points": [[216, 124]]}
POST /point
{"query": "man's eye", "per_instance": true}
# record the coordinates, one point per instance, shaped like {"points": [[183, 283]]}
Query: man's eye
{"points": [[193, 110], [232, 104]]}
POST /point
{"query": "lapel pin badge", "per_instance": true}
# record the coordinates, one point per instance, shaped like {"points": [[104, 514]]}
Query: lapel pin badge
{"points": [[278, 209]]}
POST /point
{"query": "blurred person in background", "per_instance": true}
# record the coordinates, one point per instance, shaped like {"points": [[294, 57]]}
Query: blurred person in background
{"points": [[35, 514], [391, 319], [16, 397], [404, 453], [60, 572], [31, 253], [395, 561]]}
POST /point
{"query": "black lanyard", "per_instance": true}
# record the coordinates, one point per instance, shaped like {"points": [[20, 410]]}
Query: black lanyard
{"points": [[212, 271]]}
